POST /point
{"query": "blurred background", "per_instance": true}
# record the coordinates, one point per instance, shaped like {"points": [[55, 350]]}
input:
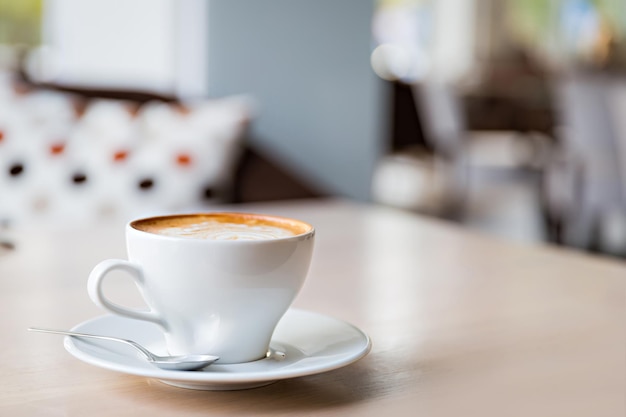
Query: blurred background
{"points": [[505, 116]]}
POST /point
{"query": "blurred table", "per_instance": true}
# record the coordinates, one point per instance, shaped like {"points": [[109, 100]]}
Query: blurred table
{"points": [[461, 325], [493, 111]]}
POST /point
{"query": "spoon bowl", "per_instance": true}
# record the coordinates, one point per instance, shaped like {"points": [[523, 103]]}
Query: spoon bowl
{"points": [[171, 363]]}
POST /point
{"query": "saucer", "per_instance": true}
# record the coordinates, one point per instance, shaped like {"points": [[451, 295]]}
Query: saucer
{"points": [[312, 343]]}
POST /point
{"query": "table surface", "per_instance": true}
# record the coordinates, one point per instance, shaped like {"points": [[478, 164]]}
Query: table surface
{"points": [[461, 324]]}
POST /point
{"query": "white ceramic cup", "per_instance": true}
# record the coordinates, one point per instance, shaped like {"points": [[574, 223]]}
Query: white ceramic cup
{"points": [[218, 297]]}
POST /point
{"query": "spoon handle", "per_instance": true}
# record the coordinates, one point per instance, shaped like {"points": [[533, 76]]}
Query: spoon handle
{"points": [[137, 346]]}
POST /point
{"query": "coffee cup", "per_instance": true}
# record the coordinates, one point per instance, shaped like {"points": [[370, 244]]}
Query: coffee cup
{"points": [[216, 283]]}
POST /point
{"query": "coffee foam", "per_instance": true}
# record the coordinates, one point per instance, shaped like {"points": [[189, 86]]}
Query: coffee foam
{"points": [[214, 230], [223, 226]]}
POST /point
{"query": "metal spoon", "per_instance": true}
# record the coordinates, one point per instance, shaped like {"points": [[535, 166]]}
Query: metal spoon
{"points": [[172, 363]]}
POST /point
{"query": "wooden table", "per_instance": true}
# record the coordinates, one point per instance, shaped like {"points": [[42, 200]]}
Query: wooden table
{"points": [[461, 324]]}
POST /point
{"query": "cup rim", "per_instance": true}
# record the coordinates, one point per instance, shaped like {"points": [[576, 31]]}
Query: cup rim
{"points": [[131, 226]]}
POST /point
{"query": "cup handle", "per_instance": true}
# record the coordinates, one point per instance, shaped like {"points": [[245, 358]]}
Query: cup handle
{"points": [[96, 293]]}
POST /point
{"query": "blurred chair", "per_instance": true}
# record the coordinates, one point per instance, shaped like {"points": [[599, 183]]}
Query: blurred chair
{"points": [[584, 185], [443, 117], [458, 156], [617, 108]]}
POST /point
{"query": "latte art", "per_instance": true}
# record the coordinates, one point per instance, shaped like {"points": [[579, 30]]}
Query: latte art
{"points": [[217, 230]]}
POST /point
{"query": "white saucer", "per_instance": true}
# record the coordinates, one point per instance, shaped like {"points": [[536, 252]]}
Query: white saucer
{"points": [[312, 343]]}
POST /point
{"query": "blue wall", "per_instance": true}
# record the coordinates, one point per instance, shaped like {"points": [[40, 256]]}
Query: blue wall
{"points": [[306, 62]]}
